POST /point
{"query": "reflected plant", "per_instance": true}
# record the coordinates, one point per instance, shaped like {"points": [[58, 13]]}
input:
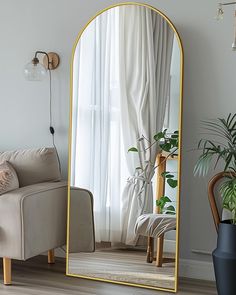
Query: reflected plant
{"points": [[169, 143], [163, 202]]}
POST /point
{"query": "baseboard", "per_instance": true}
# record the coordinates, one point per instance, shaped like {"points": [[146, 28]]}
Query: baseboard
{"points": [[169, 246], [60, 252], [194, 269]]}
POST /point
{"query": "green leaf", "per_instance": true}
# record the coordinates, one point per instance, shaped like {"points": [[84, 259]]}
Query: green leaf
{"points": [[158, 136], [170, 176], [163, 174], [203, 164], [165, 147], [164, 132], [162, 202], [167, 175], [172, 182], [174, 142], [170, 210], [133, 149], [166, 199]]}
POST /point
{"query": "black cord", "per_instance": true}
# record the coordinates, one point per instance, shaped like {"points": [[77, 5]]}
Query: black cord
{"points": [[51, 128], [50, 102]]}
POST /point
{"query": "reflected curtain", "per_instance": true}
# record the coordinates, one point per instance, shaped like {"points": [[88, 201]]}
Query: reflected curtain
{"points": [[96, 138], [146, 42], [122, 65]]}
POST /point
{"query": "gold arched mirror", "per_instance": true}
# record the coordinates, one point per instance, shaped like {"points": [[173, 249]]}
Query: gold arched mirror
{"points": [[125, 149]]}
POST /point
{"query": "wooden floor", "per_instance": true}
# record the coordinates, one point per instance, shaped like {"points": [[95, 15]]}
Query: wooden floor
{"points": [[120, 264], [36, 277]]}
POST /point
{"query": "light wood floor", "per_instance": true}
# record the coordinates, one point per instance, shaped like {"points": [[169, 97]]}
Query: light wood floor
{"points": [[36, 277], [120, 264]]}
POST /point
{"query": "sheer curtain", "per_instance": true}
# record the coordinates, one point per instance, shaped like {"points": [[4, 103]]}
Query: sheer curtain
{"points": [[122, 63], [97, 147], [145, 62]]}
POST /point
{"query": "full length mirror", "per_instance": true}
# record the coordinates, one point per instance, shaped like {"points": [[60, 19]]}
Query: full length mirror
{"points": [[125, 152]]}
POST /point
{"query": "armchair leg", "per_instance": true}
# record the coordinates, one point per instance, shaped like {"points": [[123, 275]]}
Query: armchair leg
{"points": [[160, 244], [51, 258], [7, 271]]}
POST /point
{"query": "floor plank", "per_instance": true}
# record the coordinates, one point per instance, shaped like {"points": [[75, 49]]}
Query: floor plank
{"points": [[36, 277]]}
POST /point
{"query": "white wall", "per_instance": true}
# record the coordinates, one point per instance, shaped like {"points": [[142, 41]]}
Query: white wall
{"points": [[209, 85]]}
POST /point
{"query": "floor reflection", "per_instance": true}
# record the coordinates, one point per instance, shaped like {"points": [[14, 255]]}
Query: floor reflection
{"points": [[124, 265]]}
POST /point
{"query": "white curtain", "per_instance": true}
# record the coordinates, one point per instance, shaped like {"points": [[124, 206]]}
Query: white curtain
{"points": [[122, 65], [97, 147], [146, 42]]}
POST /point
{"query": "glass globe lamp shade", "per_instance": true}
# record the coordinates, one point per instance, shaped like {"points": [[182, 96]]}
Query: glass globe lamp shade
{"points": [[234, 46], [220, 13], [34, 71]]}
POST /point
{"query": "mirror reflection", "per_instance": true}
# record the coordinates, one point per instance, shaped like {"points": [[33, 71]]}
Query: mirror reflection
{"points": [[124, 158]]}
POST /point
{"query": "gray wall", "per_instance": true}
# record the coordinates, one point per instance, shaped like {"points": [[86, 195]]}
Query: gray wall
{"points": [[209, 85]]}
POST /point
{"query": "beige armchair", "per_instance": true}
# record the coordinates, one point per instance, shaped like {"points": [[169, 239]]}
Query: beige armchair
{"points": [[33, 217]]}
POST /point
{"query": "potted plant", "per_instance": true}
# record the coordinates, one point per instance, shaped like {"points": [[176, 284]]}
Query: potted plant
{"points": [[222, 149]]}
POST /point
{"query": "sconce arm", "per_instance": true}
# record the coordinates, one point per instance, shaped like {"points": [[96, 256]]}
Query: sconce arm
{"points": [[227, 3], [42, 52]]}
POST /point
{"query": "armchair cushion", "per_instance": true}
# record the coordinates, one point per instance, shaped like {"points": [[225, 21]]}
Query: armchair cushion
{"points": [[8, 178], [33, 165]]}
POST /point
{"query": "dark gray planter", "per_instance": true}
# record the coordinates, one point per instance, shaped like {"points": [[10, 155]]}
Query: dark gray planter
{"points": [[224, 259]]}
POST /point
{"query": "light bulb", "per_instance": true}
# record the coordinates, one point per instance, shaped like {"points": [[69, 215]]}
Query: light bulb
{"points": [[34, 71], [220, 13], [234, 46]]}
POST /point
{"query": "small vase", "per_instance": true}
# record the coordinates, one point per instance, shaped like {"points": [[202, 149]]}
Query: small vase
{"points": [[224, 259]]}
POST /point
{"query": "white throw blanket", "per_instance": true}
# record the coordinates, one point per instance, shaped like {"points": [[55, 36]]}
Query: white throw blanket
{"points": [[154, 225]]}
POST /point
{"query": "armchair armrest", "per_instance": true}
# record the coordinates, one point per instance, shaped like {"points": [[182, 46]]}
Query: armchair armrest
{"points": [[33, 219]]}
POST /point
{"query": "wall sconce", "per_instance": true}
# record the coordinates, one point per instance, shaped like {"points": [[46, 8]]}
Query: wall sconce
{"points": [[219, 16], [36, 71]]}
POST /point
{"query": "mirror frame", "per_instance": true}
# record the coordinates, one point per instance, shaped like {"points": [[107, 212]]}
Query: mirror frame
{"points": [[180, 150]]}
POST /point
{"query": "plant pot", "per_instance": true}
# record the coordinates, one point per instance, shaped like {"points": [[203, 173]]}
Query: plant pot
{"points": [[224, 259]]}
